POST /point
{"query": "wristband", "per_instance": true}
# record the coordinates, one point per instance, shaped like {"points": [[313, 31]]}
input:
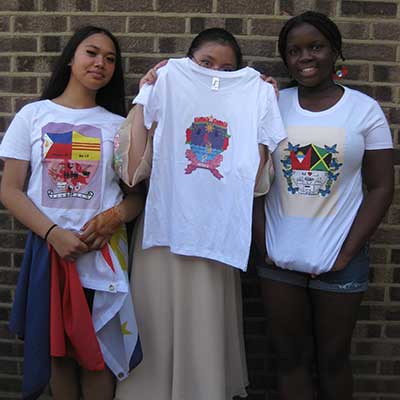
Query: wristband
{"points": [[49, 230]]}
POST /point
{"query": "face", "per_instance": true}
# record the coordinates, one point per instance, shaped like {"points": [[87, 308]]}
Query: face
{"points": [[216, 56], [93, 63], [309, 56]]}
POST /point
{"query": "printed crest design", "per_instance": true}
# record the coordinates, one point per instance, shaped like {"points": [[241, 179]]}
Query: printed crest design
{"points": [[310, 170], [72, 160], [208, 138]]}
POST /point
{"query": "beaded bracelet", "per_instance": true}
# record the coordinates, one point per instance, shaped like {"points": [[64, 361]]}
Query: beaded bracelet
{"points": [[49, 230]]}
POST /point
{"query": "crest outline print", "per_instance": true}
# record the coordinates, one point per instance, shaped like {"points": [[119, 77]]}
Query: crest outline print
{"points": [[208, 137], [310, 170]]}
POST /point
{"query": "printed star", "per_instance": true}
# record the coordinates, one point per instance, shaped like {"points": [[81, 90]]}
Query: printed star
{"points": [[209, 128], [124, 329]]}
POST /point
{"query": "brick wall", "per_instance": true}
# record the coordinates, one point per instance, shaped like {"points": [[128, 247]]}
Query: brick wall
{"points": [[32, 32]]}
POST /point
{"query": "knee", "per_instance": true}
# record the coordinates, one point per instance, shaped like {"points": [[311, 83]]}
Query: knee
{"points": [[293, 353]]}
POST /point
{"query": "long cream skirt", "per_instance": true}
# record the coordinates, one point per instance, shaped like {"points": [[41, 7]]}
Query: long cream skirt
{"points": [[189, 315]]}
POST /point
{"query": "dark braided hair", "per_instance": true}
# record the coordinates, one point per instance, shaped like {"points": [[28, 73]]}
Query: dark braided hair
{"points": [[216, 35], [319, 21]]}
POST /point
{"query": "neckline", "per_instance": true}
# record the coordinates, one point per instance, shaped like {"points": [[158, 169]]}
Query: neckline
{"points": [[323, 112], [69, 109]]}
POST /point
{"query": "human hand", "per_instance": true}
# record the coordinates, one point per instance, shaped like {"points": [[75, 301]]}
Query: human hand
{"points": [[151, 75], [273, 82], [341, 262], [66, 243], [99, 230]]}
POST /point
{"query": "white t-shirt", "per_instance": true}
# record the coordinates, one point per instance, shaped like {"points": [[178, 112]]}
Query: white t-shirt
{"points": [[71, 157], [205, 158], [318, 187]]}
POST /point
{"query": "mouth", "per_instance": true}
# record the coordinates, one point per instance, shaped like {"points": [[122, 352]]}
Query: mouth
{"points": [[308, 71], [96, 75]]}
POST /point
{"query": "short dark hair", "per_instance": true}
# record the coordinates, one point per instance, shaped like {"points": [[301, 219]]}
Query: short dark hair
{"points": [[319, 21], [220, 36], [111, 96]]}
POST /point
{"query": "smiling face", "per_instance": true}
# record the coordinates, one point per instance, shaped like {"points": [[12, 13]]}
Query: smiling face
{"points": [[216, 56], [309, 56], [93, 64]]}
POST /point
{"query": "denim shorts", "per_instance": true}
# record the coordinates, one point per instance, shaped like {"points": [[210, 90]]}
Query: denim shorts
{"points": [[351, 279]]}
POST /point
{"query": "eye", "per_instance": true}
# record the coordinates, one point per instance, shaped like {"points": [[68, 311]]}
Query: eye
{"points": [[110, 59], [316, 47], [91, 53], [291, 51], [205, 63]]}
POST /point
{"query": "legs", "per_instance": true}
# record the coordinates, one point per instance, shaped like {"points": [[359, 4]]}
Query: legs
{"points": [[67, 380], [307, 325], [289, 321], [334, 319]]}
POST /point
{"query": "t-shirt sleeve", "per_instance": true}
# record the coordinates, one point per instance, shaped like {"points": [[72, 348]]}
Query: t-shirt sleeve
{"points": [[16, 142], [150, 96], [377, 133], [271, 130]]}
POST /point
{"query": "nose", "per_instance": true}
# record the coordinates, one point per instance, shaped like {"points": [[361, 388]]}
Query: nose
{"points": [[99, 61], [305, 55]]}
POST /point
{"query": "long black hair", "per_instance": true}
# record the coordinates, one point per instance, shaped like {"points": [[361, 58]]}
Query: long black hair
{"points": [[111, 96], [216, 35], [319, 21]]}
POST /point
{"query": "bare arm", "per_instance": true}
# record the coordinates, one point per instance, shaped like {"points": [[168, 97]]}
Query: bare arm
{"points": [[378, 176], [99, 230], [66, 243]]}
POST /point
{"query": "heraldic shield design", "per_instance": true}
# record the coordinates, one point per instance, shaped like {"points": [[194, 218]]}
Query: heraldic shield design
{"points": [[71, 158], [208, 138], [310, 170]]}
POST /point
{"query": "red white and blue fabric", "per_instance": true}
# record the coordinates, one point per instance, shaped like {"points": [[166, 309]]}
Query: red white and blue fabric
{"points": [[51, 314]]}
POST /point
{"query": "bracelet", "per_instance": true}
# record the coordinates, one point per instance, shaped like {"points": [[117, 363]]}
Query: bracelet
{"points": [[49, 230]]}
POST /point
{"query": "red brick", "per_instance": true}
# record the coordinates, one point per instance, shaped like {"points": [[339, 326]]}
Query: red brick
{"points": [[388, 367], [266, 27], [18, 85], [394, 294], [386, 31], [23, 100], [4, 23], [190, 6], [17, 44], [10, 383], [18, 5], [174, 45], [368, 9], [125, 5], [275, 68], [387, 235], [156, 24], [67, 5], [370, 52], [133, 44], [140, 65], [364, 367], [258, 47], [5, 63], [246, 7], [396, 257], [5, 106], [392, 331], [294, 7], [114, 24], [387, 73], [353, 30], [374, 293], [35, 23], [35, 63], [364, 330]]}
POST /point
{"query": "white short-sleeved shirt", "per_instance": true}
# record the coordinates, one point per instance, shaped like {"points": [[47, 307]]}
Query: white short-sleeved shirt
{"points": [[205, 158], [318, 186], [71, 157]]}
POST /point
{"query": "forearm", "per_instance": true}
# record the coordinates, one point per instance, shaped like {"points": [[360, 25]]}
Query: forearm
{"points": [[258, 227], [138, 140], [131, 206], [25, 211], [368, 218]]}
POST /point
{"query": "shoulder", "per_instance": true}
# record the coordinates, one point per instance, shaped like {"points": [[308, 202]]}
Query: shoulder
{"points": [[286, 96], [31, 109], [110, 117], [360, 99]]}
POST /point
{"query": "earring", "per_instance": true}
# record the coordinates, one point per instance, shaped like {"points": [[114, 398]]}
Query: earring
{"points": [[340, 72]]}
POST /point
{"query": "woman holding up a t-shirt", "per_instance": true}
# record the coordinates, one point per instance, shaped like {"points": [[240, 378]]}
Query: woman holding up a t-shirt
{"points": [[212, 117], [75, 211], [317, 220]]}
